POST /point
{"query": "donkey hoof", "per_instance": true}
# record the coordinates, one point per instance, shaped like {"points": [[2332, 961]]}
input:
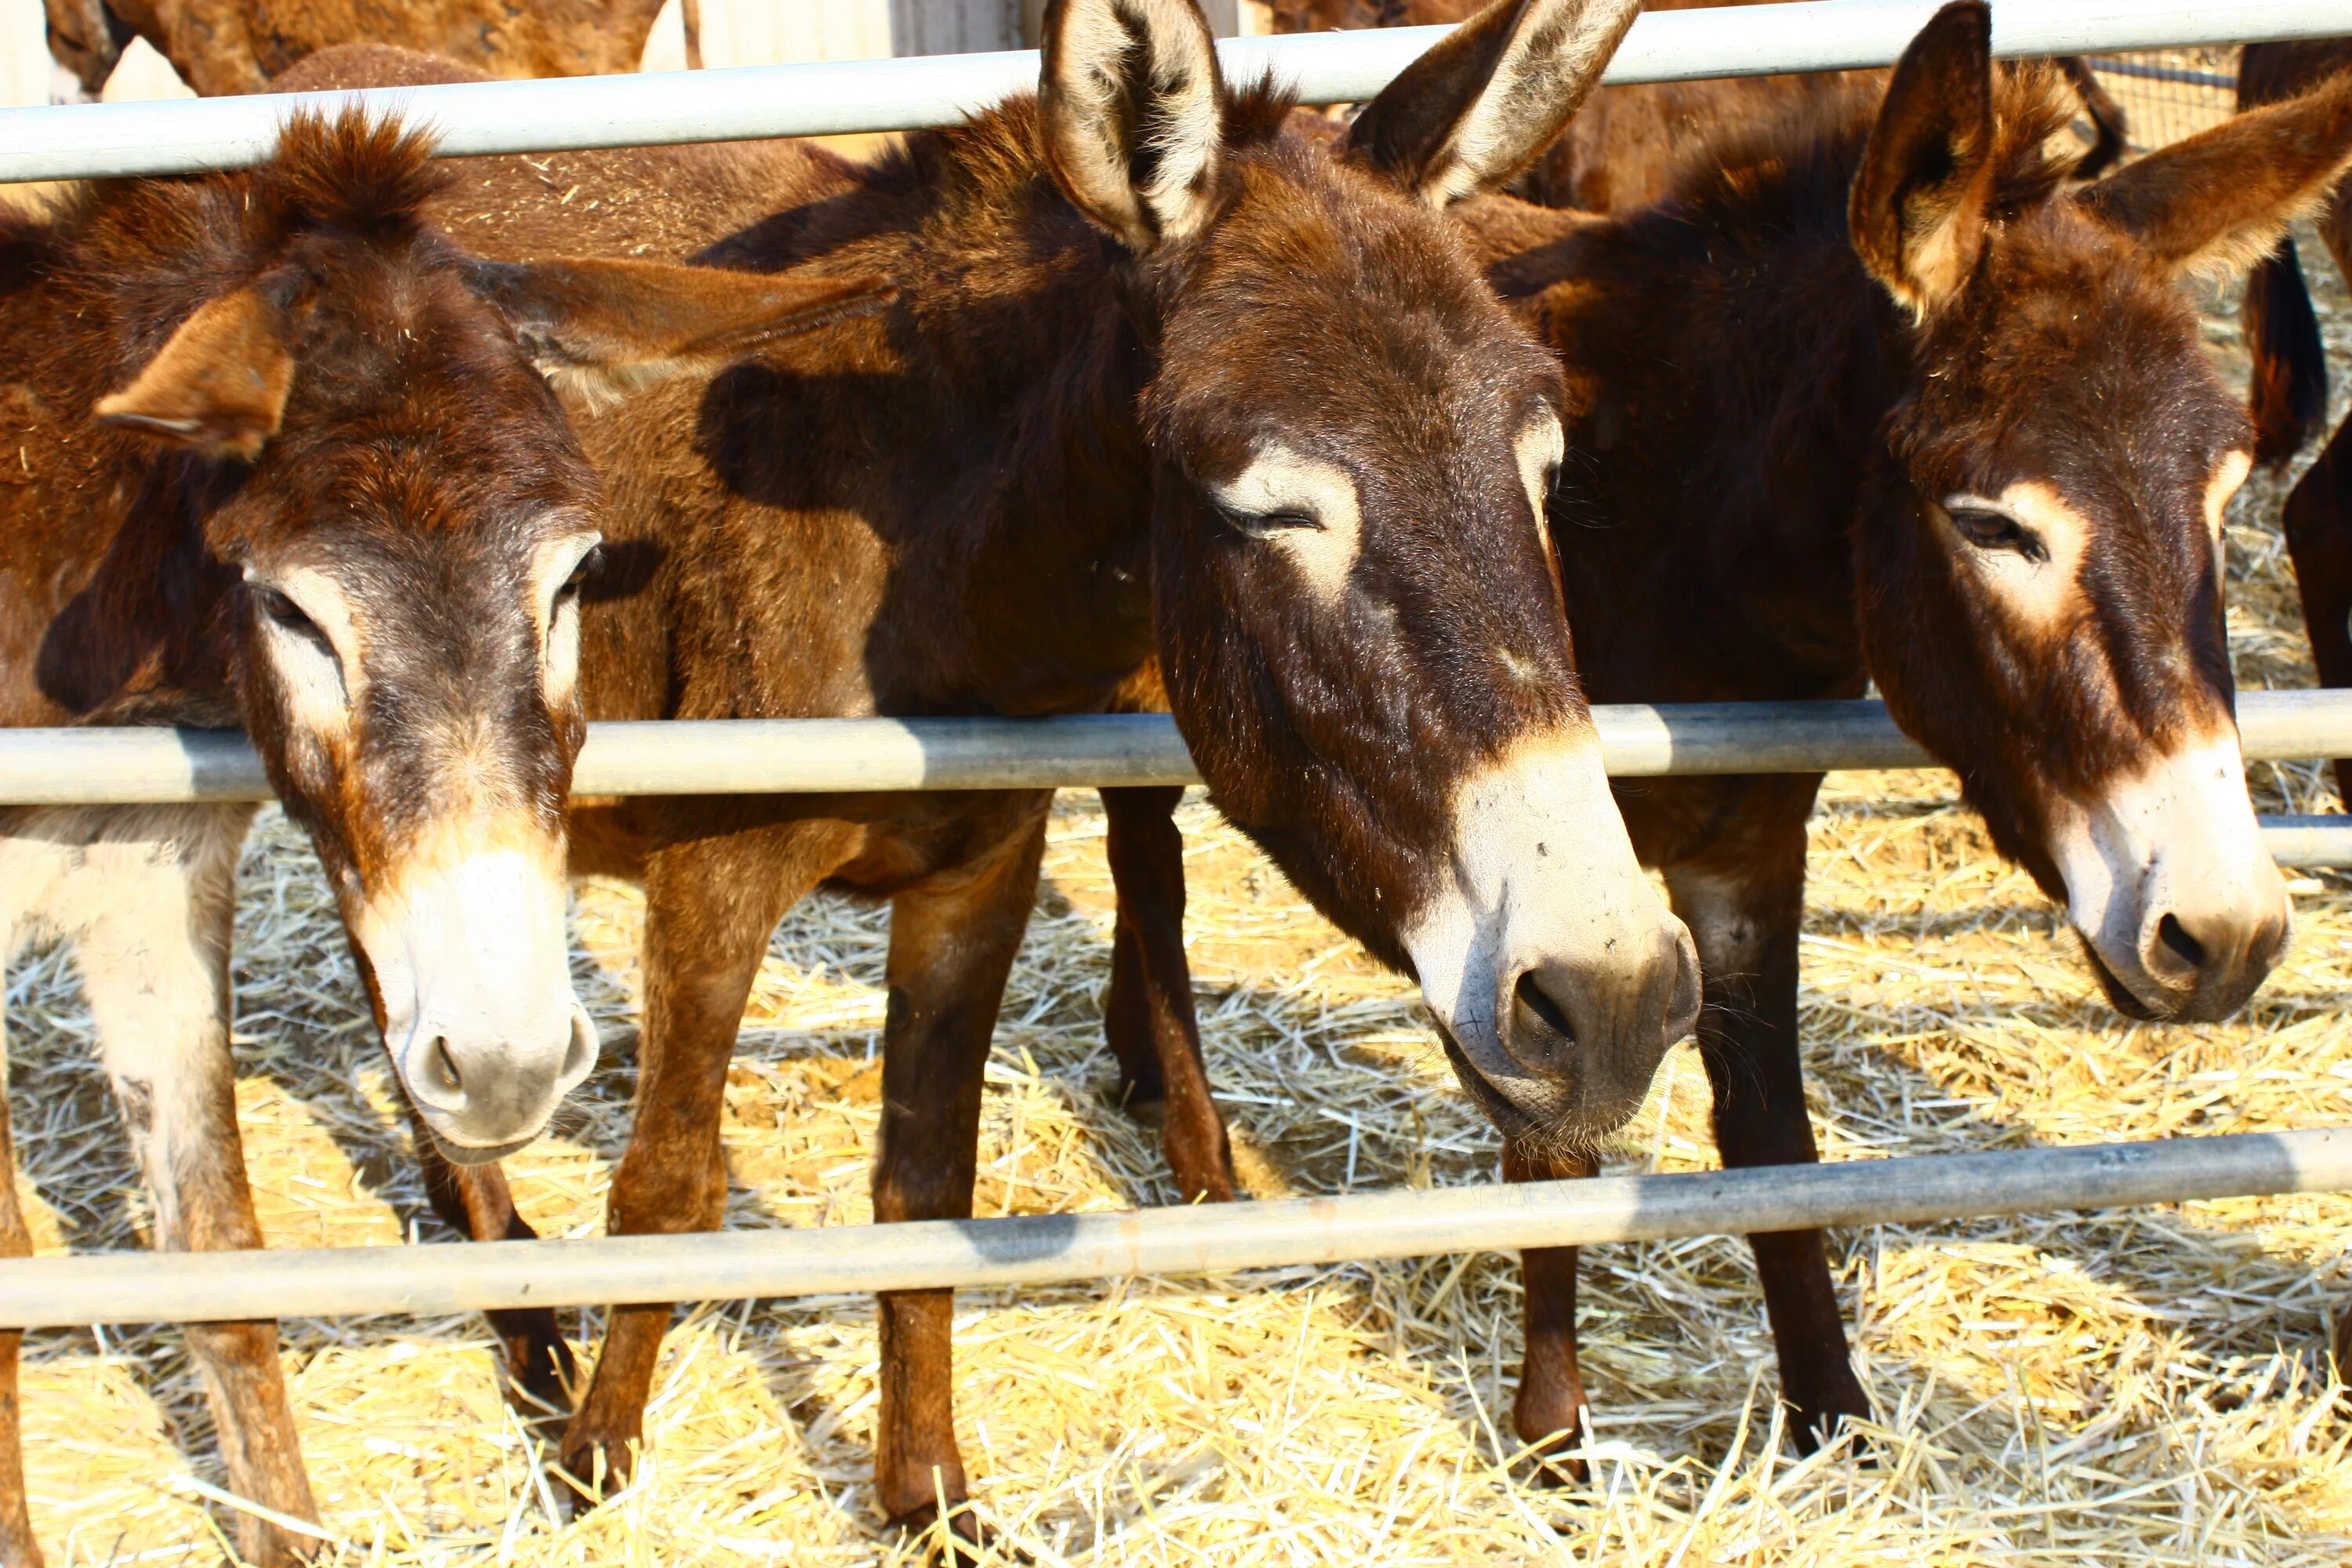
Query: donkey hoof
{"points": [[965, 1542], [1558, 1469]]}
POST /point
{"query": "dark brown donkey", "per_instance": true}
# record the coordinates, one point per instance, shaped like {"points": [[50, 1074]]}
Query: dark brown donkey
{"points": [[2290, 383], [1878, 398], [1625, 145], [1165, 378], [325, 494]]}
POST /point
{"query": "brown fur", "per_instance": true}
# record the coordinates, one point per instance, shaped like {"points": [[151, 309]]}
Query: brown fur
{"points": [[989, 500], [236, 45], [2289, 392], [1625, 146]]}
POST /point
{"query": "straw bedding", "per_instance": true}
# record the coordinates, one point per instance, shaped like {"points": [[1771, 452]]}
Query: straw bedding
{"points": [[2151, 1387]]}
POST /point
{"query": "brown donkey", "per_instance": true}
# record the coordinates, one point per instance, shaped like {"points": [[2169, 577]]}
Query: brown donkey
{"points": [[2290, 383], [326, 494], [1878, 398], [236, 45], [1164, 377]]}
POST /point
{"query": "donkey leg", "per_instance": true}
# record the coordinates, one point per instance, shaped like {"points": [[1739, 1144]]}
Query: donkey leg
{"points": [[1149, 1012], [1549, 1413], [711, 904], [151, 906], [2319, 541], [952, 942], [1745, 918], [17, 1547], [474, 1199]]}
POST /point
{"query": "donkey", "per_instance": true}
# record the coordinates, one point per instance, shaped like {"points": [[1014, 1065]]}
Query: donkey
{"points": [[1621, 150], [2289, 385], [1164, 376], [276, 460], [236, 45], [1875, 397]]}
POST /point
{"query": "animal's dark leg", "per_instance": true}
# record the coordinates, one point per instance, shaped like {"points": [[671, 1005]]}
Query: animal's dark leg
{"points": [[2319, 540], [2110, 131], [475, 1200], [711, 904], [17, 1547], [154, 966], [1149, 1012], [1550, 1407], [952, 942], [1745, 914]]}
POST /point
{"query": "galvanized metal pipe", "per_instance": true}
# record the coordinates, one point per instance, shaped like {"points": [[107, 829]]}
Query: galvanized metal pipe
{"points": [[132, 1288], [88, 140], [757, 756]]}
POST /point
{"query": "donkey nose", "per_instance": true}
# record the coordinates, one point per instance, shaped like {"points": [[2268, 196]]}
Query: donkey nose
{"points": [[1597, 1025], [487, 1091], [2212, 959]]}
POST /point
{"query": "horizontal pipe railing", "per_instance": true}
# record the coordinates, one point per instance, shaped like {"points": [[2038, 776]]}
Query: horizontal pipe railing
{"points": [[824, 756], [87, 140], [132, 1288]]}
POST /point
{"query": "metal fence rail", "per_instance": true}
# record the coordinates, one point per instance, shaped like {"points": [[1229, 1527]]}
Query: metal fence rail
{"points": [[197, 1287], [822, 756], [94, 140]]}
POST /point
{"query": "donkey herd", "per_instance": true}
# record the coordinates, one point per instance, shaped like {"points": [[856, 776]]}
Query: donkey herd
{"points": [[1149, 391]]}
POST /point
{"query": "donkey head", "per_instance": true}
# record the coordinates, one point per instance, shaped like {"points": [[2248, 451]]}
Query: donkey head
{"points": [[1359, 617], [2041, 570], [411, 520]]}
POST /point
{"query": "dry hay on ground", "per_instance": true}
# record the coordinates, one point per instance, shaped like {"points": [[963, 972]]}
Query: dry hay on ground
{"points": [[2138, 1387]]}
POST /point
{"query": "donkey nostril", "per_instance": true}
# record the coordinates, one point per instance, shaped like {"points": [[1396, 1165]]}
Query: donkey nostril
{"points": [[2176, 940], [580, 1055], [1536, 1000], [442, 1066]]}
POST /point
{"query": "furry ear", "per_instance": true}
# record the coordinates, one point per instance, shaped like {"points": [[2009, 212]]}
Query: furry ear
{"points": [[605, 326], [219, 385], [1133, 113], [1917, 211], [2219, 200], [1484, 103]]}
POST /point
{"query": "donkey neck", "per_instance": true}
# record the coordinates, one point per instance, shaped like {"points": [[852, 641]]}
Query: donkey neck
{"points": [[984, 429], [1725, 352]]}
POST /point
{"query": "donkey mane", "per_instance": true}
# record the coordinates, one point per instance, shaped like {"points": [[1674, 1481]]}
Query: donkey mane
{"points": [[1759, 177]]}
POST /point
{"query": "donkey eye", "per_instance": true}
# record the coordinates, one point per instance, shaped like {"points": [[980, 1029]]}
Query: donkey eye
{"points": [[1264, 523], [570, 592], [1988, 529], [284, 612]]}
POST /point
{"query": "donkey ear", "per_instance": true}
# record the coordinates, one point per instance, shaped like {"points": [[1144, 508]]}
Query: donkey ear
{"points": [[219, 385], [2219, 201], [1482, 105], [1918, 211], [606, 326], [1133, 114]]}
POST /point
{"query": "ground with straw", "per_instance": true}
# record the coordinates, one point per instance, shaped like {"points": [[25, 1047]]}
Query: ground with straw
{"points": [[2151, 1387]]}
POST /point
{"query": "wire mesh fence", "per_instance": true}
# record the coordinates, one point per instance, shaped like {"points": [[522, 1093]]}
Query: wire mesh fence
{"points": [[2167, 94]]}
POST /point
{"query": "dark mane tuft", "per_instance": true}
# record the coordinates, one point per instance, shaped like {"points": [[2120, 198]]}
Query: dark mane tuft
{"points": [[353, 169]]}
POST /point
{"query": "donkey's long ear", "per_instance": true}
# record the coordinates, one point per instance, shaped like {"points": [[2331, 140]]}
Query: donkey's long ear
{"points": [[606, 326], [1917, 211], [219, 385], [2219, 201], [1133, 113], [1482, 105]]}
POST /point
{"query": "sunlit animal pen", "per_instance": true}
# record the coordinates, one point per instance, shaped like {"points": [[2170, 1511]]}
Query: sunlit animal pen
{"points": [[2146, 1385]]}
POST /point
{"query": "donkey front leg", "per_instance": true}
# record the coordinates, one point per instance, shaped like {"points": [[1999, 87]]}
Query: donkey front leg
{"points": [[952, 942], [150, 900], [1745, 916], [475, 1201], [1549, 1413], [1148, 1014], [711, 904], [17, 1547]]}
